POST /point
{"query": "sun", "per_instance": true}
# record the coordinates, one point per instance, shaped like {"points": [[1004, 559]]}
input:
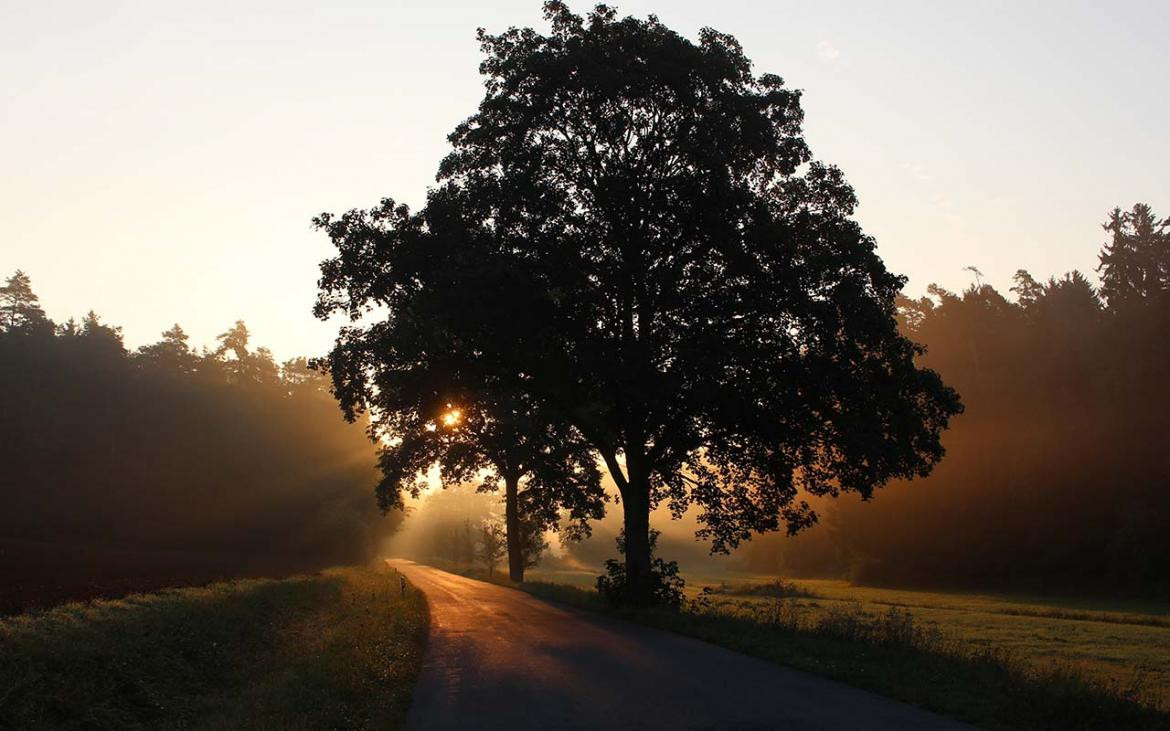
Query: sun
{"points": [[452, 417]]}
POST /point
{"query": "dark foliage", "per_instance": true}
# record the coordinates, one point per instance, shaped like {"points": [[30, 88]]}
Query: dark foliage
{"points": [[631, 239], [1056, 476], [666, 586], [122, 471], [1135, 263], [440, 402]]}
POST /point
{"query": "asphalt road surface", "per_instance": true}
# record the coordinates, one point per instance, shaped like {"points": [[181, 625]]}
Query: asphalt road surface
{"points": [[498, 658]]}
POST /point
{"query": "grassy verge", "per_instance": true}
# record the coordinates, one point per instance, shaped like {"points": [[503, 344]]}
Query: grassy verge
{"points": [[892, 654], [337, 650]]}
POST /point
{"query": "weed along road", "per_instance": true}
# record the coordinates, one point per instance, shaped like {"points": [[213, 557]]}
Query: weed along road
{"points": [[498, 658]]}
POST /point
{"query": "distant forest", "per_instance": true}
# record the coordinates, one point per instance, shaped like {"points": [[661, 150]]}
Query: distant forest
{"points": [[127, 470], [166, 465], [1057, 476]]}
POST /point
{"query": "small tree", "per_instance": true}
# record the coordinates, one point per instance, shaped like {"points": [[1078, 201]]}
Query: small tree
{"points": [[492, 545]]}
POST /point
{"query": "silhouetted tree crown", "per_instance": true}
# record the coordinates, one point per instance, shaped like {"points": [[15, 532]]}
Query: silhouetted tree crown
{"points": [[632, 232], [20, 309], [172, 352], [1135, 263], [438, 404], [1055, 478]]}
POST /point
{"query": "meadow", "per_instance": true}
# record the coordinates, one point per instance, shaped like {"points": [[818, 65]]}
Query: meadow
{"points": [[1116, 642], [339, 649], [1000, 661]]}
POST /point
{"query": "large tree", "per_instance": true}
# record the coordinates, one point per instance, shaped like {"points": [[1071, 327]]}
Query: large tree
{"points": [[642, 244]]}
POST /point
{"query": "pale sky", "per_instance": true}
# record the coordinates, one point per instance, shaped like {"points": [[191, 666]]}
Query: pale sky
{"points": [[160, 161]]}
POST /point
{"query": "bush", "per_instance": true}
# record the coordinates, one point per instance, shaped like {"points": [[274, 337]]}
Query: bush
{"points": [[666, 586]]}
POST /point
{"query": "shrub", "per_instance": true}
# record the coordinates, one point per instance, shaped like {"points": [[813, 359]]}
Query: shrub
{"points": [[666, 586]]}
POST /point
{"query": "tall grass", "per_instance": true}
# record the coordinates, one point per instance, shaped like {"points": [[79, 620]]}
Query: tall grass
{"points": [[337, 650], [894, 654], [778, 588]]}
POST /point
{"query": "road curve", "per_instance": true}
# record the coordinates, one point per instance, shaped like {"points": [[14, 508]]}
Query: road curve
{"points": [[498, 658]]}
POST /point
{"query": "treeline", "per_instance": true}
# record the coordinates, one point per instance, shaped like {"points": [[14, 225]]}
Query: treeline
{"points": [[1057, 477], [124, 470]]}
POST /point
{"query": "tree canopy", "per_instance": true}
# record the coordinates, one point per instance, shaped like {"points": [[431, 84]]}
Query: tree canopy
{"points": [[20, 309], [632, 234], [1135, 262], [435, 403], [1055, 476]]}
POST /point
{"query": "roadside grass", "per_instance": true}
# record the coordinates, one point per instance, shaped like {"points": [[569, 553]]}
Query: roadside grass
{"points": [[1113, 643], [340, 649], [893, 653], [1117, 642]]}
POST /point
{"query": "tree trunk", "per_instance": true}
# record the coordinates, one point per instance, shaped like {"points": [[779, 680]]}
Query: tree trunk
{"points": [[636, 510], [512, 524]]}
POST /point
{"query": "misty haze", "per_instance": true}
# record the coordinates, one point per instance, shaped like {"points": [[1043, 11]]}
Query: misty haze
{"points": [[524, 365]]}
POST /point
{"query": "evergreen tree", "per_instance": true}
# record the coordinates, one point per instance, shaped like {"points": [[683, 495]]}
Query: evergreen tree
{"points": [[20, 309], [1135, 262]]}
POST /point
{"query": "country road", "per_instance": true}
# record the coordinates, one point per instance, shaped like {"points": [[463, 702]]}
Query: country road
{"points": [[498, 658]]}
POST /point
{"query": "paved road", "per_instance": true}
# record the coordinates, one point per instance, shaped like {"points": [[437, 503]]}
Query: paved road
{"points": [[498, 658]]}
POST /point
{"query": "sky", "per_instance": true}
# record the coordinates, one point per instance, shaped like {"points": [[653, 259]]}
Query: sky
{"points": [[160, 161]]}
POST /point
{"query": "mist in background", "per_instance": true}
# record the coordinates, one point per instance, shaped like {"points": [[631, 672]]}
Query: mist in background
{"points": [[124, 470], [1056, 476], [127, 470]]}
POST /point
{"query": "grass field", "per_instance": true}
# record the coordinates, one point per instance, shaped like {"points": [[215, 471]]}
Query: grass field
{"points": [[1123, 642], [340, 649], [1113, 643], [999, 661]]}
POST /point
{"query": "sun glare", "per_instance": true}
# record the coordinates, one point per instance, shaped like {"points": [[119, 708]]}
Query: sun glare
{"points": [[452, 417]]}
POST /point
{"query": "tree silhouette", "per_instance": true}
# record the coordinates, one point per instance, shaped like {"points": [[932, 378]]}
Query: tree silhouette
{"points": [[20, 309], [1055, 477], [257, 367], [234, 341], [1135, 263], [172, 352], [437, 404], [638, 239]]}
